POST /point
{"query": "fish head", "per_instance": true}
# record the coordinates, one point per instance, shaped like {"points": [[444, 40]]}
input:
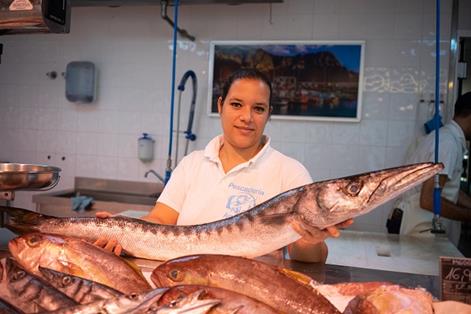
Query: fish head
{"points": [[177, 292], [15, 272], [182, 270], [58, 279], [331, 202], [191, 303], [34, 249]]}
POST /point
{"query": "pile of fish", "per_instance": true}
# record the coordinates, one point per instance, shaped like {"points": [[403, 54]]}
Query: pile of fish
{"points": [[221, 284], [54, 274], [54, 268]]}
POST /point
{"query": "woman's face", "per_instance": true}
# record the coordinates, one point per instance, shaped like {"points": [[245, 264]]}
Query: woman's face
{"points": [[244, 113]]}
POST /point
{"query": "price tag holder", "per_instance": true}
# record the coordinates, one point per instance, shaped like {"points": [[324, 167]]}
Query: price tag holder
{"points": [[455, 279]]}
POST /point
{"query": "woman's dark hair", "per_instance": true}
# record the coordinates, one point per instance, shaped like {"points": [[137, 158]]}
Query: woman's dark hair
{"points": [[463, 105], [245, 74]]}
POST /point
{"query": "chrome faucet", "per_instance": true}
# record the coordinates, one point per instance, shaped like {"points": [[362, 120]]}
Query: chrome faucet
{"points": [[155, 174]]}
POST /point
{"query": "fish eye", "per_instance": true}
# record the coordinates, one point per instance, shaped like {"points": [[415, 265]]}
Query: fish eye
{"points": [[33, 241], [133, 296], [18, 275], [66, 280], [175, 275], [354, 188]]}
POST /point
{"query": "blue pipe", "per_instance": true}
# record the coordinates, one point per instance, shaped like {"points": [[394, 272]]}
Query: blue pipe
{"points": [[168, 170], [437, 189], [181, 87]]}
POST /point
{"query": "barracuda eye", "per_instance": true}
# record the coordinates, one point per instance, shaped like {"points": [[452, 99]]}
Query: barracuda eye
{"points": [[18, 275], [175, 275], [66, 280], [354, 188], [33, 241]]}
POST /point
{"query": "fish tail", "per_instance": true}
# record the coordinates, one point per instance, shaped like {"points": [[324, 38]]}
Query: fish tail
{"points": [[19, 220]]}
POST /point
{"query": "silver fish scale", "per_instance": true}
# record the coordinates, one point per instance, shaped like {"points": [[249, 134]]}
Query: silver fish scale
{"points": [[162, 242]]}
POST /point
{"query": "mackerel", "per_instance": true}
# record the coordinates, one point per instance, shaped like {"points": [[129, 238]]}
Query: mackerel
{"points": [[27, 293], [269, 226], [231, 301], [82, 290]]}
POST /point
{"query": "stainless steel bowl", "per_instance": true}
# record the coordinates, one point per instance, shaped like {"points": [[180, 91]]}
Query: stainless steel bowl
{"points": [[15, 176]]}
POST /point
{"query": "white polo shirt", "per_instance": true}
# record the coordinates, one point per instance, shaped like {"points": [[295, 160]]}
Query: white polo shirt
{"points": [[452, 148], [201, 192]]}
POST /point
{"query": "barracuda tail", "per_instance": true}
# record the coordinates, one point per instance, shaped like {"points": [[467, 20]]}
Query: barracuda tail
{"points": [[19, 220]]}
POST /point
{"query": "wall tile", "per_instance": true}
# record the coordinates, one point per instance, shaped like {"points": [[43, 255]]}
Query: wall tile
{"points": [[345, 133], [87, 143], [408, 26], [404, 106], [400, 133], [376, 105], [326, 6], [351, 25], [373, 132], [325, 26], [86, 166], [107, 167]]}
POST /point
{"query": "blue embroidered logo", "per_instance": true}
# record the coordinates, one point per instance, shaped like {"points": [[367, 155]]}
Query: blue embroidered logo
{"points": [[239, 203]]}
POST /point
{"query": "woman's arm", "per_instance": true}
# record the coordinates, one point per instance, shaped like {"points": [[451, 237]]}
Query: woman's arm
{"points": [[448, 209], [305, 251], [162, 214]]}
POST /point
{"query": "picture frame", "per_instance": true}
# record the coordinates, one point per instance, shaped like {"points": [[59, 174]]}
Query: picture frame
{"points": [[311, 80]]}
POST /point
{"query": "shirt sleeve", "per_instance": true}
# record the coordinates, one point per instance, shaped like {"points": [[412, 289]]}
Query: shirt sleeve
{"points": [[175, 190], [448, 153], [296, 175]]}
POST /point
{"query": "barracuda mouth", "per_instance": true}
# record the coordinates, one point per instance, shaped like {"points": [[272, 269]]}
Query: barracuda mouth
{"points": [[398, 180]]}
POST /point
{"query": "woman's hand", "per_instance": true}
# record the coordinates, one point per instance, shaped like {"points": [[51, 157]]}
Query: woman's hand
{"points": [[314, 235], [311, 247], [109, 245], [333, 231]]}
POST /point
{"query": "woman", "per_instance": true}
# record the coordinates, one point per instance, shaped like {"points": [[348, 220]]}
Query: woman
{"points": [[236, 171]]}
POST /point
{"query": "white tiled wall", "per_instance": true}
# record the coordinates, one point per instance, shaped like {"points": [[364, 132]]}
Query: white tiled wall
{"points": [[131, 47]]}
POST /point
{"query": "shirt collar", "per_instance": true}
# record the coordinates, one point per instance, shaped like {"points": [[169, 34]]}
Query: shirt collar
{"points": [[211, 150]]}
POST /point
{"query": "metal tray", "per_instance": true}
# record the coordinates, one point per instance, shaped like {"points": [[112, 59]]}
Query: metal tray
{"points": [[15, 176]]}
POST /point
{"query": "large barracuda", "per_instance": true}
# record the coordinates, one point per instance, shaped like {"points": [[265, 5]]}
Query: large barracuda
{"points": [[271, 225]]}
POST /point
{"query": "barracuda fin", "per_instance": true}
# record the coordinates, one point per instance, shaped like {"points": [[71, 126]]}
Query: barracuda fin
{"points": [[276, 219], [19, 220]]}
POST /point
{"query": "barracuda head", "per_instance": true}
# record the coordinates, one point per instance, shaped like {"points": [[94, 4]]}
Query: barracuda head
{"points": [[330, 202]]}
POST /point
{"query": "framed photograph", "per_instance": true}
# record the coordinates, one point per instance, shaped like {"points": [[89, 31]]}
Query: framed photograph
{"points": [[311, 80]]}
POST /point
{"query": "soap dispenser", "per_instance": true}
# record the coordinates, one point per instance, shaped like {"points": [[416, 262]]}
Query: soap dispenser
{"points": [[145, 148]]}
